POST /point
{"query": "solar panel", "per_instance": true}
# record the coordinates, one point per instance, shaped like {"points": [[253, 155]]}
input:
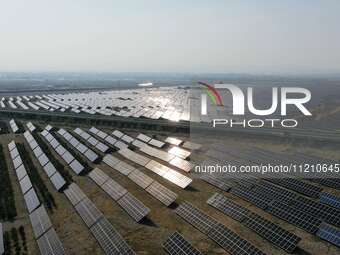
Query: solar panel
{"points": [[163, 155], [136, 209], [191, 146], [60, 150], [251, 196], [109, 239], [49, 137], [329, 234], [48, 128], [127, 139], [101, 134], [81, 148], [173, 140], [88, 212], [177, 178], [17, 162], [98, 176], [85, 135], [181, 164], [67, 157], [11, 146], [54, 143], [49, 169], [37, 152], [179, 152], [44, 133], [124, 168], [318, 210], [121, 145], [76, 166], [272, 232], [78, 131], [156, 143], [57, 181], [160, 192], [117, 133], [50, 244], [329, 199], [140, 178], [14, 153], [177, 245], [298, 186], [43, 160], [275, 192], [138, 143], [144, 138], [157, 168], [21, 172], [228, 207], [33, 144], [93, 141], [31, 200], [40, 221], [231, 242], [25, 184], [110, 140], [294, 216], [133, 156], [74, 194], [114, 189], [102, 147], [74, 142], [67, 136], [90, 155], [217, 182]]}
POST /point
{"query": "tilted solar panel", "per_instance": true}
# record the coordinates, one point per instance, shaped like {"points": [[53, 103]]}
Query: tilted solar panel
{"points": [[177, 245], [50, 243], [217, 182], [140, 178], [135, 208], [74, 194], [329, 234], [88, 212], [114, 189], [98, 176], [162, 193], [40, 221], [329, 199]]}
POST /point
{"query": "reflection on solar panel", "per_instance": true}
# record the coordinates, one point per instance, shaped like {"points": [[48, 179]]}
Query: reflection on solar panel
{"points": [[177, 245], [88, 212], [217, 182], [114, 189], [294, 216], [98, 176], [163, 194], [329, 234], [181, 164], [31, 200], [57, 181], [316, 209], [109, 239], [156, 143], [179, 152], [173, 141], [40, 221], [49, 243], [133, 156], [227, 239], [330, 199], [136, 209], [163, 155], [140, 178], [74, 194]]}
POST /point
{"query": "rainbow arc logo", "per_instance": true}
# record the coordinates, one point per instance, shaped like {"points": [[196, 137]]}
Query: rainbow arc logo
{"points": [[213, 94]]}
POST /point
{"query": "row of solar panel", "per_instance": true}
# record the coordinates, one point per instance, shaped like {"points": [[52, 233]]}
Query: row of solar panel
{"points": [[14, 126], [91, 140], [53, 175], [265, 228], [87, 152], [30, 126], [158, 168], [177, 245], [102, 230], [47, 239], [73, 163], [135, 208], [227, 239], [154, 188]]}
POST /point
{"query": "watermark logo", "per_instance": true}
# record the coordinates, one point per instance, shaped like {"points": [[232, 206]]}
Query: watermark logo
{"points": [[240, 101]]}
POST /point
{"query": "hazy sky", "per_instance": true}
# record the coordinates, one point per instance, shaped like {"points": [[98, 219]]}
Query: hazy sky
{"points": [[276, 36]]}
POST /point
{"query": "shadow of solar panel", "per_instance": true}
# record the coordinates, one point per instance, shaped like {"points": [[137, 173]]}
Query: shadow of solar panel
{"points": [[228, 207], [294, 216], [49, 244], [98, 176], [272, 232], [31, 200], [251, 196], [217, 182], [114, 189], [318, 210], [136, 209], [329, 199], [231, 242], [195, 217], [109, 239], [329, 234], [74, 194], [177, 245], [163, 194], [88, 212], [140, 179], [298, 186], [40, 221]]}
